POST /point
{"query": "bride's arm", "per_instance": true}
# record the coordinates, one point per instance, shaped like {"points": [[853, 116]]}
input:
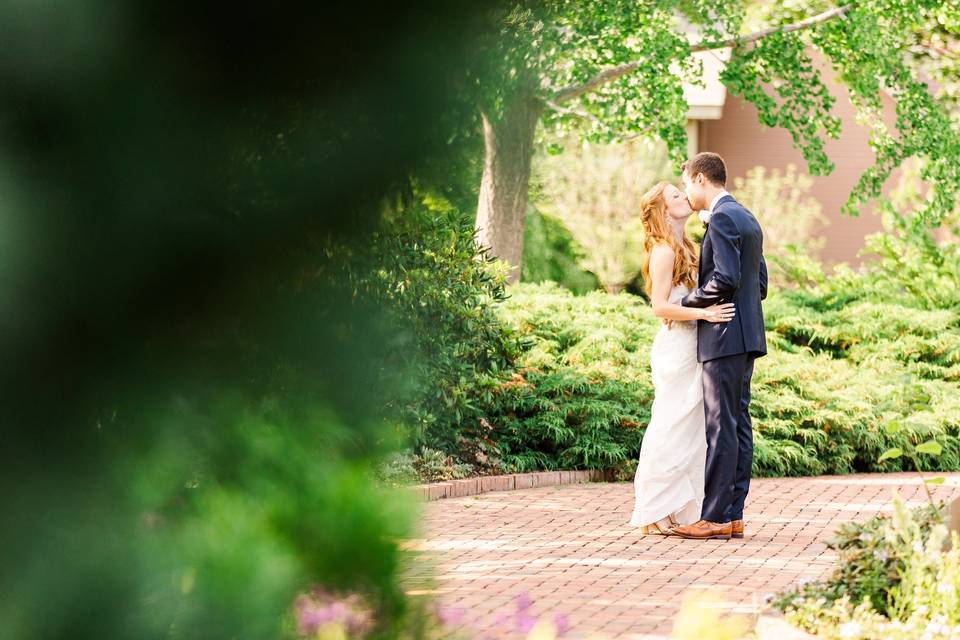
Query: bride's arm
{"points": [[661, 279]]}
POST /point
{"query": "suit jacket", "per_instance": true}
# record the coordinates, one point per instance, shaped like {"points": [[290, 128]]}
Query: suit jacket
{"points": [[732, 269]]}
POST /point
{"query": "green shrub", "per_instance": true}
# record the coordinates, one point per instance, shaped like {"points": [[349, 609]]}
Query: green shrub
{"points": [[862, 331], [893, 579], [437, 303], [582, 392], [903, 304], [429, 465], [816, 414], [550, 253], [289, 513]]}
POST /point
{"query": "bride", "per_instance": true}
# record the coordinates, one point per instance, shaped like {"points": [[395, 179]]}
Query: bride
{"points": [[669, 484]]}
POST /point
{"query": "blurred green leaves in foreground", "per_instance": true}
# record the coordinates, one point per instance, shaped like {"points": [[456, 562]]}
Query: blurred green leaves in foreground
{"points": [[189, 399]]}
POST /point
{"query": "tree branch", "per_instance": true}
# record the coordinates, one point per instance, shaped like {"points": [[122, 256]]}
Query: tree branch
{"points": [[611, 74], [572, 112], [763, 33], [597, 121], [935, 51]]}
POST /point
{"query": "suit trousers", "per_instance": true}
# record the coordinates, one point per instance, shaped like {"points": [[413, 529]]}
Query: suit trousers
{"points": [[726, 405]]}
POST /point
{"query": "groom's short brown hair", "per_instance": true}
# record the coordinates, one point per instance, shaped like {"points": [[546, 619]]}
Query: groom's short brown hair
{"points": [[710, 165]]}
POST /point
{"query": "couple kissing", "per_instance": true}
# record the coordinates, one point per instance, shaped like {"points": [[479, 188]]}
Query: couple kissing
{"points": [[694, 469]]}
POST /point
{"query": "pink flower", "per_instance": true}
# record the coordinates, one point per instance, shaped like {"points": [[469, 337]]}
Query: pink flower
{"points": [[319, 608], [450, 616]]}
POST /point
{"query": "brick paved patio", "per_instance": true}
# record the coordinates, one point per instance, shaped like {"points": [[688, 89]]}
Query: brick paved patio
{"points": [[571, 549]]}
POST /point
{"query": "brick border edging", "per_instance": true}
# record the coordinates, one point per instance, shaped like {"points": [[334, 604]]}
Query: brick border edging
{"points": [[509, 482]]}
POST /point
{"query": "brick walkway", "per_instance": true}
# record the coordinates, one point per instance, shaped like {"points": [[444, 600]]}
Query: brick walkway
{"points": [[570, 548]]}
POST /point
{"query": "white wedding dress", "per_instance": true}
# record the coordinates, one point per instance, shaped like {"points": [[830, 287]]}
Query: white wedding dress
{"points": [[670, 472]]}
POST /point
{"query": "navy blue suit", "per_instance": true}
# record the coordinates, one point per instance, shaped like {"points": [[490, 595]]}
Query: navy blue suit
{"points": [[732, 269]]}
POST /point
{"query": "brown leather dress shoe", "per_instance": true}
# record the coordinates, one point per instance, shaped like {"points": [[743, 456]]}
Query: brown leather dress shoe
{"points": [[704, 530], [737, 529]]}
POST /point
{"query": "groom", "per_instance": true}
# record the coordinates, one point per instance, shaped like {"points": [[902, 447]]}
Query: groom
{"points": [[732, 269]]}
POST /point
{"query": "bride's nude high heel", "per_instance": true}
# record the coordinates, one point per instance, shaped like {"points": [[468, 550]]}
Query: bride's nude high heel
{"points": [[656, 528]]}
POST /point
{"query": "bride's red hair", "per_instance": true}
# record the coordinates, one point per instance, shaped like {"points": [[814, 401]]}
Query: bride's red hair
{"points": [[656, 230]]}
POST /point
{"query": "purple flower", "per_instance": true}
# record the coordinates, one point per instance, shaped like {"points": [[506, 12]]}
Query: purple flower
{"points": [[523, 602], [358, 623], [562, 623], [307, 621], [319, 608], [524, 622], [309, 616]]}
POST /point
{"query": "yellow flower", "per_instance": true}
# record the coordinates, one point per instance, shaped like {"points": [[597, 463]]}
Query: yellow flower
{"points": [[331, 631], [701, 616], [543, 630]]}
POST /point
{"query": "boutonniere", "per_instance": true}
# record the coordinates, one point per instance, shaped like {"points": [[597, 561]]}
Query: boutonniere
{"points": [[705, 216]]}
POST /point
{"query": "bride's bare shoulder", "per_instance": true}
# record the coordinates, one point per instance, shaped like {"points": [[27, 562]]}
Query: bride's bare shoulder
{"points": [[661, 250]]}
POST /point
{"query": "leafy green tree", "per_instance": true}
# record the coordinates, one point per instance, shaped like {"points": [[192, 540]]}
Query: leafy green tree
{"points": [[935, 54], [619, 68]]}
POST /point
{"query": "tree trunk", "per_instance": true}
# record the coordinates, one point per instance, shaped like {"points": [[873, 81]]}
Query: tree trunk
{"points": [[502, 205]]}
